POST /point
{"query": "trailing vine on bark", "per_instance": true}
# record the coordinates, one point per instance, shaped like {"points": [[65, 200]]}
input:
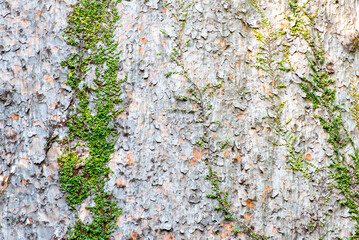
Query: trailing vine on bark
{"points": [[93, 67], [201, 96], [354, 93], [319, 88], [272, 58]]}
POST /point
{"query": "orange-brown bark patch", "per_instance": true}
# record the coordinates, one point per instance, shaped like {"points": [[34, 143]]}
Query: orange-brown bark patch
{"points": [[249, 204], [141, 51], [168, 237], [48, 78], [134, 235], [143, 40], [14, 116], [196, 156], [129, 158]]}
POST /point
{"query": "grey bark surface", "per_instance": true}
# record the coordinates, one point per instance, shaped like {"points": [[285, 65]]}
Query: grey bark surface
{"points": [[159, 172]]}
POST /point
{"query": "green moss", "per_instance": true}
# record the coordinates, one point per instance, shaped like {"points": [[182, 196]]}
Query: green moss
{"points": [[90, 31]]}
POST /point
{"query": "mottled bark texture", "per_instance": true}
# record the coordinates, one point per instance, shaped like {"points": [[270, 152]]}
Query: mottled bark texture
{"points": [[158, 169]]}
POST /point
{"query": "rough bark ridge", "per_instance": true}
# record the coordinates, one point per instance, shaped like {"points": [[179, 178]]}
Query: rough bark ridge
{"points": [[172, 52]]}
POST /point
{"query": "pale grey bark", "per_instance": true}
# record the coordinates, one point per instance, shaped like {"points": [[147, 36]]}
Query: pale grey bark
{"points": [[161, 191]]}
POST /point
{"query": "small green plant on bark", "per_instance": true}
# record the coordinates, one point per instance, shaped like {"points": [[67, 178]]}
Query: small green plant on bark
{"points": [[201, 97], [319, 88], [93, 67], [354, 93], [273, 60]]}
